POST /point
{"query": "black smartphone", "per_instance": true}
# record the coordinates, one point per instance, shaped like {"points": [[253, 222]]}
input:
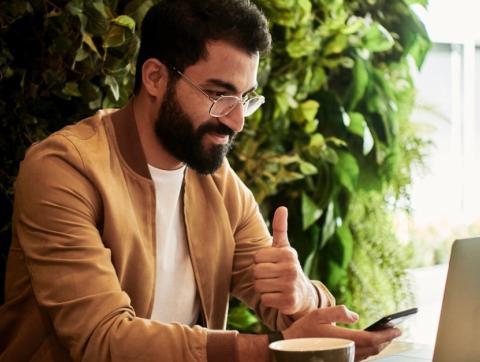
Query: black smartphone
{"points": [[391, 320]]}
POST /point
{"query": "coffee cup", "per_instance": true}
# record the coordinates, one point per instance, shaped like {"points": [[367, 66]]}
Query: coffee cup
{"points": [[313, 350]]}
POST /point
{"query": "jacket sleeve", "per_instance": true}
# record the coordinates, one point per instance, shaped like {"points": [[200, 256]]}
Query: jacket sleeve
{"points": [[251, 234], [57, 211]]}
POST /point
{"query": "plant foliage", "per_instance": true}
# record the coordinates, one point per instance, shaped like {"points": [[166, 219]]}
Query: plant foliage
{"points": [[334, 141], [335, 125]]}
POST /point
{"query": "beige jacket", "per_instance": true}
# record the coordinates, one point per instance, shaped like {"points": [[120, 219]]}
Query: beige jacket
{"points": [[81, 269]]}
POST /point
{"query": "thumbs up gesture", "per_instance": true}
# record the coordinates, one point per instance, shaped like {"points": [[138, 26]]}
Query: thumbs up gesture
{"points": [[278, 276]]}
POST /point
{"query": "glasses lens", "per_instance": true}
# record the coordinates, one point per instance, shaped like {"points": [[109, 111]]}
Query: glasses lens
{"points": [[223, 106], [251, 105]]}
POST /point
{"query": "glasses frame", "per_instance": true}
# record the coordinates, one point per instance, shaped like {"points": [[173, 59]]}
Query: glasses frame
{"points": [[239, 100]]}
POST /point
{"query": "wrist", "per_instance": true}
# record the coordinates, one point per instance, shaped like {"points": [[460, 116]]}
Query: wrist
{"points": [[275, 336], [311, 301], [251, 347]]}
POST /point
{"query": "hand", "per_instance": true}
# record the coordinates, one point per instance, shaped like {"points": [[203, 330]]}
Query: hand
{"points": [[318, 323], [278, 276]]}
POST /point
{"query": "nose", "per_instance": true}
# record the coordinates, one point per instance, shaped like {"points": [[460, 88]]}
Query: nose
{"points": [[235, 119]]}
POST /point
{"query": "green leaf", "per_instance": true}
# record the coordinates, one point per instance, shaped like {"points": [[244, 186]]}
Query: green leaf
{"points": [[329, 226], [285, 176], [81, 54], [286, 159], [336, 274], [378, 39], [310, 211], [115, 37], [87, 39], [309, 109], [336, 45], [241, 318], [336, 141], [125, 21], [347, 170], [318, 78], [91, 94], [311, 126], [357, 124], [111, 81], [71, 89], [330, 155], [97, 18], [310, 266], [345, 245], [307, 168], [317, 144], [75, 7], [358, 86], [302, 42]]}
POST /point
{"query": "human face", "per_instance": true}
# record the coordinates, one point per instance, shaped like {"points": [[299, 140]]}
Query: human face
{"points": [[174, 129], [184, 125]]}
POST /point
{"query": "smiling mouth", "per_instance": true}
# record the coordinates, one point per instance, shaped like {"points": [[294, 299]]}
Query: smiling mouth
{"points": [[218, 138]]}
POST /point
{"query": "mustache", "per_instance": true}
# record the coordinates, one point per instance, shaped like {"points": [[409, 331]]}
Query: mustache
{"points": [[218, 128]]}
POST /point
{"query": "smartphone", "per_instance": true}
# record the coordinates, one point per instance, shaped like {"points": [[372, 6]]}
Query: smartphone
{"points": [[391, 320]]}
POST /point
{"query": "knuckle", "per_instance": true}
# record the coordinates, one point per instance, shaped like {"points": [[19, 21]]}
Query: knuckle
{"points": [[266, 300], [263, 299], [294, 271], [289, 299], [294, 253], [291, 254], [290, 273], [374, 343], [256, 271], [289, 289], [343, 310], [376, 349], [257, 287]]}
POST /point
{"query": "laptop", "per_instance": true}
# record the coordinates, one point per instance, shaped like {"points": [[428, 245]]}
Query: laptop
{"points": [[458, 335]]}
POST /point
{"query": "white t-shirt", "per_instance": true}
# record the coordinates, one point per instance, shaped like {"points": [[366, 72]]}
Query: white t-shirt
{"points": [[176, 298]]}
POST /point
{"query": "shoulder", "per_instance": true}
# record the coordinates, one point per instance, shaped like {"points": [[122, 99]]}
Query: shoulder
{"points": [[73, 144]]}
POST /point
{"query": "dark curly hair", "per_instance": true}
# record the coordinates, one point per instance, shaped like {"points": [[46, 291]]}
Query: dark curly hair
{"points": [[176, 31]]}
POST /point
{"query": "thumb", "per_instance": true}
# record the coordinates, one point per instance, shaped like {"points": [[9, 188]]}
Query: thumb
{"points": [[280, 226]]}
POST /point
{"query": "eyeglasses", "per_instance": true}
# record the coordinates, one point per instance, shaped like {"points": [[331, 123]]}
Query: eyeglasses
{"points": [[223, 105]]}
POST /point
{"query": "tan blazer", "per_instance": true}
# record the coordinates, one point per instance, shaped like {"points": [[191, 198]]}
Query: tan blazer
{"points": [[81, 269]]}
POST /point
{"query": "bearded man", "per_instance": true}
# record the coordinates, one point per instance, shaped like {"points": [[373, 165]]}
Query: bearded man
{"points": [[131, 231]]}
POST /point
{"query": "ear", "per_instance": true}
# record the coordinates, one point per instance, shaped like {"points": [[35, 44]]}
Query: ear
{"points": [[154, 77]]}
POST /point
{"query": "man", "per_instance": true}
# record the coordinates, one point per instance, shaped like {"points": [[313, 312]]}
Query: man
{"points": [[131, 231]]}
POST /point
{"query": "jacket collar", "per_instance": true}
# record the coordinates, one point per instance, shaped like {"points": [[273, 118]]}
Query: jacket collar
{"points": [[128, 139]]}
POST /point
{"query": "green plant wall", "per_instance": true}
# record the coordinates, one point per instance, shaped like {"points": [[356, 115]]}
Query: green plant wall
{"points": [[335, 125]]}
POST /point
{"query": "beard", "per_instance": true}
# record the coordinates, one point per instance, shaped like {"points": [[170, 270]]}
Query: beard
{"points": [[174, 130]]}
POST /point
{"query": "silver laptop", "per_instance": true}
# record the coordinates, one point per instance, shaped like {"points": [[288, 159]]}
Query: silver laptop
{"points": [[458, 336]]}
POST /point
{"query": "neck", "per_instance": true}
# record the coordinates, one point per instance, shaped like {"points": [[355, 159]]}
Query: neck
{"points": [[146, 112]]}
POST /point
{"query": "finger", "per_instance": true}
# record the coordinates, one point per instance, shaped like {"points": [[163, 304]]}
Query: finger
{"points": [[280, 227], [278, 301], [364, 352], [386, 335], [369, 339], [339, 313], [276, 255], [286, 272], [274, 285], [266, 270]]}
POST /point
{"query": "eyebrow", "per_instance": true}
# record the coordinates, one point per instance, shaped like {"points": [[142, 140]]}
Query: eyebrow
{"points": [[228, 86]]}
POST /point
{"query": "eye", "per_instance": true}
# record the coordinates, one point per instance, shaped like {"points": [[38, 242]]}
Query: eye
{"points": [[214, 93]]}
